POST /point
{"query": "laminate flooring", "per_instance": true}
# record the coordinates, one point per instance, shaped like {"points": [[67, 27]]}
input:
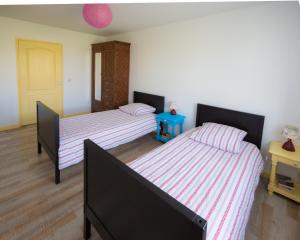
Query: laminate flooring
{"points": [[33, 207]]}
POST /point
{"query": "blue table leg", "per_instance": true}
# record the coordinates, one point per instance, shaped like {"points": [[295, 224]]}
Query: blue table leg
{"points": [[158, 131], [181, 127], [173, 130]]}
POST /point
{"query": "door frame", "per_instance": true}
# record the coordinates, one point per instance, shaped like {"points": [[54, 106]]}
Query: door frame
{"points": [[19, 79]]}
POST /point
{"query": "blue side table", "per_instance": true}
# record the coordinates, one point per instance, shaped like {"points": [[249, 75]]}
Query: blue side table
{"points": [[165, 122]]}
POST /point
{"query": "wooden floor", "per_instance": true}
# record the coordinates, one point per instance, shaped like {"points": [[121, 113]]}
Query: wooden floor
{"points": [[33, 207]]}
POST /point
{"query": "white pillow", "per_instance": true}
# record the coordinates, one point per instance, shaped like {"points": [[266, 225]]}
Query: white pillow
{"points": [[137, 109], [220, 136]]}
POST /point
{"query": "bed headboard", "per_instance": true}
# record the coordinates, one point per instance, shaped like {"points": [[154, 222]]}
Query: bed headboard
{"points": [[251, 123], [153, 100]]}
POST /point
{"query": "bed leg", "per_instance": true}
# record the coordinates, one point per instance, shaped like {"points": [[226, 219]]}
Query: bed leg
{"points": [[87, 228], [39, 148], [57, 176]]}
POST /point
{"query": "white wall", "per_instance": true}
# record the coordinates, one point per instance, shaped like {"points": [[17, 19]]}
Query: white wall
{"points": [[77, 68], [246, 59]]}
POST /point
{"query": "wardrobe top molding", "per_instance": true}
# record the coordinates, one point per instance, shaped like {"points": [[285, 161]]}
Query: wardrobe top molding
{"points": [[110, 44]]}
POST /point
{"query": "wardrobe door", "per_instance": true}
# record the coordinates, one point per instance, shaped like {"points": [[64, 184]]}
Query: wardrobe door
{"points": [[102, 77], [96, 95], [107, 79], [121, 74]]}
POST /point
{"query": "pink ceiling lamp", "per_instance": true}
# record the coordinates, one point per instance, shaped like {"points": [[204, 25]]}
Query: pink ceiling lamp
{"points": [[97, 15]]}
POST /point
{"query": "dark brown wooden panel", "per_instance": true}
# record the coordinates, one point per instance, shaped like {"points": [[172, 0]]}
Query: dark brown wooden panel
{"points": [[114, 75]]}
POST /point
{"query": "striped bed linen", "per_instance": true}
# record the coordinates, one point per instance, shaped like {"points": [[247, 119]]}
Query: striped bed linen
{"points": [[219, 186], [108, 129], [220, 136]]}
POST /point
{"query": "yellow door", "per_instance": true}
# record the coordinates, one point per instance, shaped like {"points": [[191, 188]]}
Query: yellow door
{"points": [[40, 77]]}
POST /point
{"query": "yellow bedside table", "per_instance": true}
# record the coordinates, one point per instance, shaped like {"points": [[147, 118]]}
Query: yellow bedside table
{"points": [[288, 158]]}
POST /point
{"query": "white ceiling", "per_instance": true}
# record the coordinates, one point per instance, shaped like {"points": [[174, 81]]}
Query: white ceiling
{"points": [[126, 17]]}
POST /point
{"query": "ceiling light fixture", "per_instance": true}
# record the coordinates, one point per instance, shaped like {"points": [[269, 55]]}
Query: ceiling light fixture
{"points": [[97, 15]]}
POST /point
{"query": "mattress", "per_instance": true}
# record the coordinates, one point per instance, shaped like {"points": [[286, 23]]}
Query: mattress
{"points": [[108, 129], [219, 186]]}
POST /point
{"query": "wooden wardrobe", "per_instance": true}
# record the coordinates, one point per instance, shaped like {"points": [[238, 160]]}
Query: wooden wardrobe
{"points": [[110, 75]]}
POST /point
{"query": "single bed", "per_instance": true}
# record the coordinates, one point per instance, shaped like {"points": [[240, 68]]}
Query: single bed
{"points": [[181, 190], [63, 138]]}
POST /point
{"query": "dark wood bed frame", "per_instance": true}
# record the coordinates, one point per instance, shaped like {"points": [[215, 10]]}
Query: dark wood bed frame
{"points": [[251, 123], [122, 205], [48, 126]]}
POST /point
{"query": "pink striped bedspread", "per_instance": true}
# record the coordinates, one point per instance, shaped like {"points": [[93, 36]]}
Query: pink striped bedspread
{"points": [[217, 185], [108, 129]]}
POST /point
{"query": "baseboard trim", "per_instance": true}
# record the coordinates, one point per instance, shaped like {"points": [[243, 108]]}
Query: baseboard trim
{"points": [[14, 126], [75, 114], [9, 127]]}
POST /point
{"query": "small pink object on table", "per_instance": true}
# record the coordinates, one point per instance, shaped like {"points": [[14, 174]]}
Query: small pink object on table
{"points": [[289, 146]]}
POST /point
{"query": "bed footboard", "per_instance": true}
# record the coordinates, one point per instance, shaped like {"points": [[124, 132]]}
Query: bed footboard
{"points": [[123, 205], [48, 134]]}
